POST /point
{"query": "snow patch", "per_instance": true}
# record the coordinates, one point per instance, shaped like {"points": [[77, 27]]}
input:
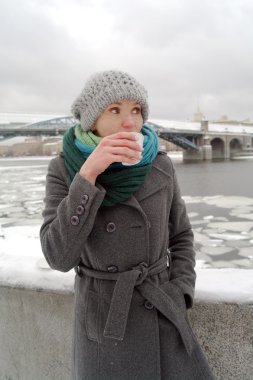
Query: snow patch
{"points": [[224, 285]]}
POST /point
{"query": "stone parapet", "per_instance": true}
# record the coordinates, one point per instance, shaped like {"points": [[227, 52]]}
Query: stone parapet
{"points": [[36, 328]]}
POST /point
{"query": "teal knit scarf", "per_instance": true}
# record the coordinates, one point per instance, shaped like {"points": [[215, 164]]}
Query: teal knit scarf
{"points": [[119, 181]]}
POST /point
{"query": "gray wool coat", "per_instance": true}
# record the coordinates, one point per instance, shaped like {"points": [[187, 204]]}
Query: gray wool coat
{"points": [[135, 276]]}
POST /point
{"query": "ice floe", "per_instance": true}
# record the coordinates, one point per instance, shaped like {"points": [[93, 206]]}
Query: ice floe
{"points": [[189, 199], [223, 264], [209, 231], [194, 222], [244, 216], [193, 214], [221, 218], [247, 252], [228, 201], [215, 250], [238, 243], [208, 217], [229, 236], [247, 263], [213, 242], [232, 226], [200, 237], [242, 210]]}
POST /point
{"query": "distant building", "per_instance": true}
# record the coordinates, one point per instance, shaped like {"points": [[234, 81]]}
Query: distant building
{"points": [[224, 119], [30, 146], [198, 116]]}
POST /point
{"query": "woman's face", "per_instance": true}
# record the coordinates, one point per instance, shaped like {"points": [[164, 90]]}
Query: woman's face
{"points": [[124, 116]]}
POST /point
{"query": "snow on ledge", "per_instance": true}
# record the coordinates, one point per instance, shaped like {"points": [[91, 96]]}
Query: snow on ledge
{"points": [[22, 265], [231, 285], [212, 285], [26, 273]]}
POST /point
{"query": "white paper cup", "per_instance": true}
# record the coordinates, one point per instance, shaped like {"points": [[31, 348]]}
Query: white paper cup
{"points": [[139, 141]]}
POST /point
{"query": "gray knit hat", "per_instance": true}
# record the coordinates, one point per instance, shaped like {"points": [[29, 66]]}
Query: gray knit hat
{"points": [[103, 89]]}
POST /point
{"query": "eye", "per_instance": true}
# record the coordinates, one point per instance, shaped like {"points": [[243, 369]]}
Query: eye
{"points": [[137, 110], [115, 110]]}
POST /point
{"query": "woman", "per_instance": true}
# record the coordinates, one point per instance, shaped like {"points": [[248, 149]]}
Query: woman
{"points": [[125, 230]]}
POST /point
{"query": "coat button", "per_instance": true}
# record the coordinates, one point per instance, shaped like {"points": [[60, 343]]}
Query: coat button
{"points": [[148, 305], [84, 199], [110, 227], [112, 269], [80, 210], [74, 220]]}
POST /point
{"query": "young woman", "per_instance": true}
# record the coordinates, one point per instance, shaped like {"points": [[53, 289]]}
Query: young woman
{"points": [[125, 230]]}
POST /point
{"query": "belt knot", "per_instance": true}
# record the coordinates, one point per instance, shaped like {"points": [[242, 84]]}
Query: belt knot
{"points": [[143, 272]]}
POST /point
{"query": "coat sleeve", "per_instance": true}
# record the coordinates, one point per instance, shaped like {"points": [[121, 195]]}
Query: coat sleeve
{"points": [[181, 247], [69, 215]]}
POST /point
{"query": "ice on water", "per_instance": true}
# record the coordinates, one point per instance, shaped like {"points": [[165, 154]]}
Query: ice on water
{"points": [[223, 239], [215, 250], [232, 226]]}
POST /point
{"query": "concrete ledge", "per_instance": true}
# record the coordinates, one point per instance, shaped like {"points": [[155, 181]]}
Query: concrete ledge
{"points": [[36, 328], [225, 332]]}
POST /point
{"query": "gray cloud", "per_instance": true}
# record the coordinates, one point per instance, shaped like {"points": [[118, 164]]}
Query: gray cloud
{"points": [[185, 52]]}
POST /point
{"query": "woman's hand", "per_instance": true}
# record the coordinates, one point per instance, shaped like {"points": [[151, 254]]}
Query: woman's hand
{"points": [[118, 147]]}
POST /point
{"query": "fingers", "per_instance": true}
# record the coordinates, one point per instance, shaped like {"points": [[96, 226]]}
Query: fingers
{"points": [[127, 139], [122, 135], [125, 143], [124, 152]]}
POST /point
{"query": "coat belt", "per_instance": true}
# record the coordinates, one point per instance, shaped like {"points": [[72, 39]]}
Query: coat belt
{"points": [[138, 277]]}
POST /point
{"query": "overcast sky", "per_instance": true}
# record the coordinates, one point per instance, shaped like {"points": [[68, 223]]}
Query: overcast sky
{"points": [[185, 52]]}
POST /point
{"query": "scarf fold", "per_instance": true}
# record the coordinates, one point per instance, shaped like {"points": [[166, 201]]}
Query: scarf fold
{"points": [[119, 181]]}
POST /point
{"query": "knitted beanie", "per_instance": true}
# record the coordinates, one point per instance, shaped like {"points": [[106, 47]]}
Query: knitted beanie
{"points": [[103, 89]]}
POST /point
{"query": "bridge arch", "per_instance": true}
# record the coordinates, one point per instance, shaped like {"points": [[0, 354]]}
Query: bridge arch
{"points": [[218, 147], [235, 146]]}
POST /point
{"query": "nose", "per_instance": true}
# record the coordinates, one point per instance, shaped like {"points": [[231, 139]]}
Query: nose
{"points": [[128, 122]]}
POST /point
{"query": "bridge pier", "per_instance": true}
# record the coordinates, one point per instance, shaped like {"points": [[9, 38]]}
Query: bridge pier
{"points": [[205, 151], [193, 155], [202, 154]]}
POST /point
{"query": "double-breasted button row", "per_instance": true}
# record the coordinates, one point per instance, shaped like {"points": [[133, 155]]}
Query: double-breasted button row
{"points": [[75, 220], [111, 227]]}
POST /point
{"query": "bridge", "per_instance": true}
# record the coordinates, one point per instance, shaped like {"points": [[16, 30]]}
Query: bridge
{"points": [[204, 140], [199, 140]]}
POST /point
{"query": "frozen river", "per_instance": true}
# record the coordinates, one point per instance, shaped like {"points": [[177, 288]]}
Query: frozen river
{"points": [[218, 195]]}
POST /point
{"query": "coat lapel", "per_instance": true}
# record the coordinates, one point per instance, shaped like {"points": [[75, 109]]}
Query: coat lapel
{"points": [[156, 180]]}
